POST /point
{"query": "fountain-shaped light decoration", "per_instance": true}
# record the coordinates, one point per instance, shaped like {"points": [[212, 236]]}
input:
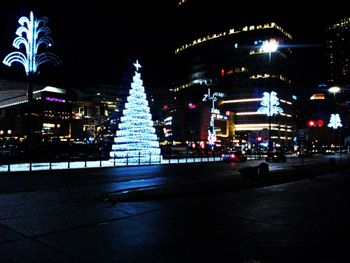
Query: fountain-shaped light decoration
{"points": [[32, 34], [270, 104]]}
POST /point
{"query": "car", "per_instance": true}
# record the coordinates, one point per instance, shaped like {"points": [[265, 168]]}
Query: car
{"points": [[234, 156], [276, 157], [305, 153]]}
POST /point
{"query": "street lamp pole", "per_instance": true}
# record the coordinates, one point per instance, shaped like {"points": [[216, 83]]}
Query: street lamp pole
{"points": [[334, 90], [269, 46], [335, 121]]}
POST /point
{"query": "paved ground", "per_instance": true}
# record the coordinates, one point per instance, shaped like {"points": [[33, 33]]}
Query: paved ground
{"points": [[301, 221]]}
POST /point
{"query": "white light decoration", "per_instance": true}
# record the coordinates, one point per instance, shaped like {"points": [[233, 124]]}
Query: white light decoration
{"points": [[32, 34], [269, 104], [335, 121], [211, 130], [136, 140]]}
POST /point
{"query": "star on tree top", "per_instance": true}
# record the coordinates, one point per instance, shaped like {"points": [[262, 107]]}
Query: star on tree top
{"points": [[137, 65]]}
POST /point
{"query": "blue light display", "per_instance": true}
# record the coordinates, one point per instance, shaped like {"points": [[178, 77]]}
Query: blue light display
{"points": [[32, 34]]}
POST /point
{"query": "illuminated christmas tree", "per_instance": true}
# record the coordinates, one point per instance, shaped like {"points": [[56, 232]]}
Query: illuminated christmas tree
{"points": [[136, 138]]}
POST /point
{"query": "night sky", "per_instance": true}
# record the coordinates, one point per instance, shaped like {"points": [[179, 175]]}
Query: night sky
{"points": [[96, 40]]}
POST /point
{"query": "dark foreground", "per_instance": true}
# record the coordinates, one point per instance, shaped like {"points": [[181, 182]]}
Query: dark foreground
{"points": [[302, 221]]}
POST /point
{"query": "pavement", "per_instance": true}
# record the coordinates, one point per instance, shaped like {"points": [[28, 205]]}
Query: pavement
{"points": [[278, 219]]}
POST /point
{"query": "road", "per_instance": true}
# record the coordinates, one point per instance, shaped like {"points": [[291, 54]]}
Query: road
{"points": [[57, 218], [113, 179]]}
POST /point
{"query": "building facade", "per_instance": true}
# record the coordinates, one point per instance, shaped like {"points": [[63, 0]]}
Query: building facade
{"points": [[50, 113], [338, 53], [231, 60], [338, 58]]}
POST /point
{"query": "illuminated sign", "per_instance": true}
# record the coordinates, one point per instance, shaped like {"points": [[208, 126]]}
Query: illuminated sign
{"points": [[192, 106], [318, 96], [53, 99], [221, 117], [215, 111]]}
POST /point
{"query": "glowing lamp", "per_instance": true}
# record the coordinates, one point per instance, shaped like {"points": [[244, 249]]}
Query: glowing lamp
{"points": [[222, 72], [318, 96], [334, 90], [311, 123], [192, 106], [269, 46], [320, 123]]}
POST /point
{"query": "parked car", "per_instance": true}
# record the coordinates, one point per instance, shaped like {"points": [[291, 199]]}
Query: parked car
{"points": [[276, 157], [234, 156]]}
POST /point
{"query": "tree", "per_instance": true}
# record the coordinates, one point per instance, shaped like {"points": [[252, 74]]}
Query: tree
{"points": [[136, 138]]}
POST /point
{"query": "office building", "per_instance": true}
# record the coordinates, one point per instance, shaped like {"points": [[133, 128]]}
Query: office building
{"points": [[231, 60]]}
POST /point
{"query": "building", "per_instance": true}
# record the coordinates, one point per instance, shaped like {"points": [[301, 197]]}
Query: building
{"points": [[338, 53], [325, 101], [96, 111], [338, 47], [50, 113], [230, 59], [315, 134]]}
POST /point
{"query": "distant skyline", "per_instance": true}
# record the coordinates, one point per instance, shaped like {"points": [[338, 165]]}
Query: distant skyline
{"points": [[95, 40]]}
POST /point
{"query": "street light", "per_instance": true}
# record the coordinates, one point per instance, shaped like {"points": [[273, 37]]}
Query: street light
{"points": [[334, 90], [269, 46]]}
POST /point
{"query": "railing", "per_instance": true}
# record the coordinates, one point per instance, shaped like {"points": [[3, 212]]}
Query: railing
{"points": [[7, 166]]}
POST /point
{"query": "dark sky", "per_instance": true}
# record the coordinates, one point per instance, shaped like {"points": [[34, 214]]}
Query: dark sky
{"points": [[95, 40]]}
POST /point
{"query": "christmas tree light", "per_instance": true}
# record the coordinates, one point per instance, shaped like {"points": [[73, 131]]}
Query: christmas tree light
{"points": [[135, 138]]}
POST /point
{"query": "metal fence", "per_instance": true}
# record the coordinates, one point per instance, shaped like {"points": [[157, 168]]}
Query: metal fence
{"points": [[112, 162]]}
